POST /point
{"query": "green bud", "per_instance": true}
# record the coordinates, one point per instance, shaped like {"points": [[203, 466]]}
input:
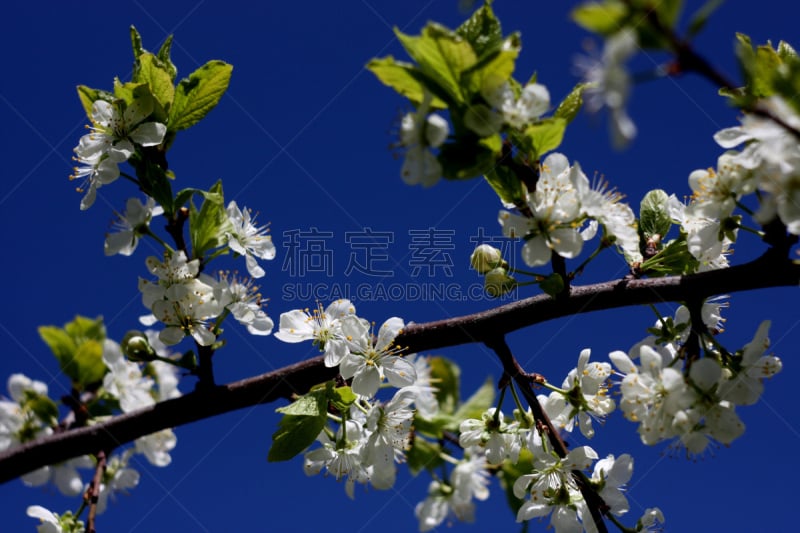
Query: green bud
{"points": [[498, 282], [136, 347], [486, 258]]}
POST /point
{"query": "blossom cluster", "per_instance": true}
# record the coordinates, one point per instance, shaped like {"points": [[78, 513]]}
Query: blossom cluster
{"points": [[372, 435], [564, 210], [191, 303], [695, 404], [29, 413]]}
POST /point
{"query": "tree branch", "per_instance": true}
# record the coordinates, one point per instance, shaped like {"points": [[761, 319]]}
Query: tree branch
{"points": [[770, 270]]}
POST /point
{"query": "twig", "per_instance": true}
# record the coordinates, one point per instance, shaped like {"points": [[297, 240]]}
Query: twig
{"points": [[93, 490], [511, 367]]}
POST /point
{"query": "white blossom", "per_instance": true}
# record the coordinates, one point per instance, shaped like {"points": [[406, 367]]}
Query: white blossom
{"points": [[116, 128], [249, 240], [130, 226]]}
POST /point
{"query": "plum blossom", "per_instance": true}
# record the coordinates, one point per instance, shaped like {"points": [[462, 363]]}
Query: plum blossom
{"points": [[131, 226], [552, 490], [249, 240], [499, 437], [586, 396], [341, 457], [368, 362], [609, 84], [116, 130], [323, 328], [468, 482], [242, 299], [53, 523], [419, 132], [519, 112], [555, 208]]}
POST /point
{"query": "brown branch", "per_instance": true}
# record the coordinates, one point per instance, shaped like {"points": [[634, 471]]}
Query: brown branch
{"points": [[93, 491], [770, 270]]}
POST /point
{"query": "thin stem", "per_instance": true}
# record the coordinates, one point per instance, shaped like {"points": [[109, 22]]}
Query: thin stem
{"points": [[93, 491], [129, 178], [159, 240], [511, 366]]}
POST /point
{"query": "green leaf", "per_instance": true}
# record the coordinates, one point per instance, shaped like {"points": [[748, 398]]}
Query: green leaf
{"points": [[342, 397], [786, 53], [482, 30], [464, 159], [759, 66], [654, 218], [198, 94], [673, 260], [570, 106], [206, 226], [701, 16], [506, 184], [603, 18], [669, 11], [88, 363], [138, 50], [403, 78], [552, 284], [304, 419], [312, 404], [446, 374], [166, 61], [493, 69], [546, 135], [434, 427], [423, 455], [184, 195], [481, 400], [441, 55], [153, 73], [89, 96], [295, 434], [78, 347], [59, 342], [44, 408]]}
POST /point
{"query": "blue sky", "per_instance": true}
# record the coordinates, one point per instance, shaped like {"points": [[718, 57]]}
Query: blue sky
{"points": [[304, 136]]}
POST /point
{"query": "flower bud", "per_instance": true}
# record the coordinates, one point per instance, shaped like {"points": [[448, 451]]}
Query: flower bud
{"points": [[498, 282], [136, 347], [485, 258]]}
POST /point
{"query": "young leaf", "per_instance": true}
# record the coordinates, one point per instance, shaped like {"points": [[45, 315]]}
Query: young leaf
{"points": [[403, 78], [206, 226], [303, 421], [198, 94], [153, 73], [481, 400], [546, 135], [603, 18], [78, 347], [166, 61], [482, 30], [571, 104], [506, 184], [423, 455], [654, 219], [552, 284], [442, 56], [447, 377], [88, 96], [701, 16]]}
